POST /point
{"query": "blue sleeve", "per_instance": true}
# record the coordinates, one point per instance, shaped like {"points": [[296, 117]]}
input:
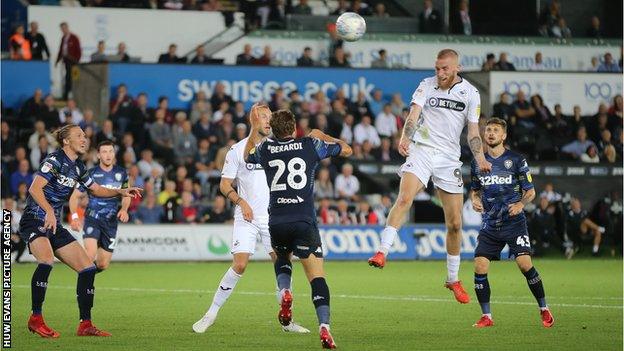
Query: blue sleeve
{"points": [[124, 183], [84, 178], [524, 175], [325, 150], [254, 154], [475, 182], [49, 168]]}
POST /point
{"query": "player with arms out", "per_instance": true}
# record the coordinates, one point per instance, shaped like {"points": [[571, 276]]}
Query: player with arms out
{"points": [[251, 219], [440, 108], [40, 227], [501, 196], [100, 224], [289, 165]]}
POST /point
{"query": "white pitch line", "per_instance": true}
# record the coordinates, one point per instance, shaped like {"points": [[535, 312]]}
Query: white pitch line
{"points": [[362, 297]]}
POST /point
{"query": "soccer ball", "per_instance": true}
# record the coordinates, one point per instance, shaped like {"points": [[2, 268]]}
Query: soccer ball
{"points": [[350, 26]]}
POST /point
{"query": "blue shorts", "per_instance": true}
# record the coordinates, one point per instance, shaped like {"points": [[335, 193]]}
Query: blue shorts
{"points": [[102, 230], [301, 238], [491, 241], [31, 228]]}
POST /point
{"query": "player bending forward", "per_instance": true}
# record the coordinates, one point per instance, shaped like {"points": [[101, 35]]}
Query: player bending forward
{"points": [[251, 219], [100, 225], [289, 165], [431, 143], [501, 196]]}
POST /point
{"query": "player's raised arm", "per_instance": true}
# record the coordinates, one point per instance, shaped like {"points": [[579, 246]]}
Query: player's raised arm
{"points": [[258, 119], [409, 129], [101, 191], [476, 146], [125, 203], [345, 149], [36, 191]]}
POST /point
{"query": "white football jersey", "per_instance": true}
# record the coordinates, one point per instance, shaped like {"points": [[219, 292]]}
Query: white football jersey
{"points": [[251, 183], [445, 113]]}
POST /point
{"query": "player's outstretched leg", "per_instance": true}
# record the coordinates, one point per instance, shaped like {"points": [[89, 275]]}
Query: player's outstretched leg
{"points": [[42, 250], [283, 276], [452, 204], [225, 289], [537, 288], [410, 186], [482, 290]]}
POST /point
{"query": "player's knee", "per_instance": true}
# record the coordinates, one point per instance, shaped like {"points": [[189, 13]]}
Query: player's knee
{"points": [[403, 202], [48, 261], [453, 226], [239, 267], [525, 266], [102, 265]]}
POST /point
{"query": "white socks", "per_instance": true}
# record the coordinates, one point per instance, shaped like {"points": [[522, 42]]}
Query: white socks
{"points": [[595, 248], [226, 286], [452, 267], [387, 239]]}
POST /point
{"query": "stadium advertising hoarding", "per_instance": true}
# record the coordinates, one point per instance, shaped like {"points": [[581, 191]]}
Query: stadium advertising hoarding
{"points": [[252, 84], [152, 31], [15, 88], [587, 90], [421, 54], [213, 242]]}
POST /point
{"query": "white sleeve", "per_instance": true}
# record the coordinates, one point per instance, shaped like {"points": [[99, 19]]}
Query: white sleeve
{"points": [[420, 94], [359, 134], [230, 166], [474, 107]]}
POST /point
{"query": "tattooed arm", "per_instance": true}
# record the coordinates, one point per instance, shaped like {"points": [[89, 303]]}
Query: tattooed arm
{"points": [[476, 146], [409, 129]]}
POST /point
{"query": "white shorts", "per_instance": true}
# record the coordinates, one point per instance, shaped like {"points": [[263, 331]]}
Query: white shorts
{"points": [[426, 162], [245, 236]]}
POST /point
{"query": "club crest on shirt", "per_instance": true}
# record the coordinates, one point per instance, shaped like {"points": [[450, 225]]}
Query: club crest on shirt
{"points": [[508, 164], [118, 177], [253, 166], [89, 230]]}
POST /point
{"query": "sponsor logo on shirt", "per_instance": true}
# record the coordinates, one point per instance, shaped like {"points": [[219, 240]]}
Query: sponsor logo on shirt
{"points": [[494, 179], [286, 200], [447, 103]]}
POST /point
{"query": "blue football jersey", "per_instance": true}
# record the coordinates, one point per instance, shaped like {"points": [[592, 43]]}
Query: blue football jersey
{"points": [[106, 207], [63, 175], [501, 187], [289, 166]]}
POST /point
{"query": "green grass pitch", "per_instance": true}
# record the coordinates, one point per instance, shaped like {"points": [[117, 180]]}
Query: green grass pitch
{"points": [[402, 307]]}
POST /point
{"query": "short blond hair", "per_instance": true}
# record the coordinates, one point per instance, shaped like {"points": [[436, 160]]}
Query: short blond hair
{"points": [[447, 52]]}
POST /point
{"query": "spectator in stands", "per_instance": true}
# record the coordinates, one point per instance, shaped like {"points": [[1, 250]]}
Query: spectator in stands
{"points": [[218, 213], [319, 103], [168, 192], [204, 160], [397, 104], [171, 56], [542, 113], [277, 15], [278, 100], [561, 29], [42, 150], [601, 214], [580, 228], [489, 64], [200, 56], [305, 60], [380, 11], [223, 109], [187, 212], [598, 123], [346, 132], [360, 8], [342, 7], [334, 39], [38, 45], [590, 155], [339, 59], [219, 96], [460, 20], [608, 65], [430, 19], [347, 185], [538, 64], [558, 128], [225, 129], [524, 111], [121, 108], [504, 108], [365, 131], [33, 140], [121, 55], [70, 53], [302, 8], [49, 114], [606, 150], [148, 166], [361, 106], [9, 142], [21, 198], [345, 216], [367, 151], [211, 5], [326, 215], [594, 30], [385, 152], [381, 61], [149, 212], [296, 103], [31, 108], [107, 133], [377, 103], [323, 187], [365, 214], [577, 147], [176, 127], [21, 175], [595, 63], [203, 129], [543, 225], [13, 163], [548, 18], [19, 46], [503, 64], [127, 147], [576, 120], [162, 139], [71, 110], [200, 105], [99, 55], [185, 145], [245, 58], [386, 122]]}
